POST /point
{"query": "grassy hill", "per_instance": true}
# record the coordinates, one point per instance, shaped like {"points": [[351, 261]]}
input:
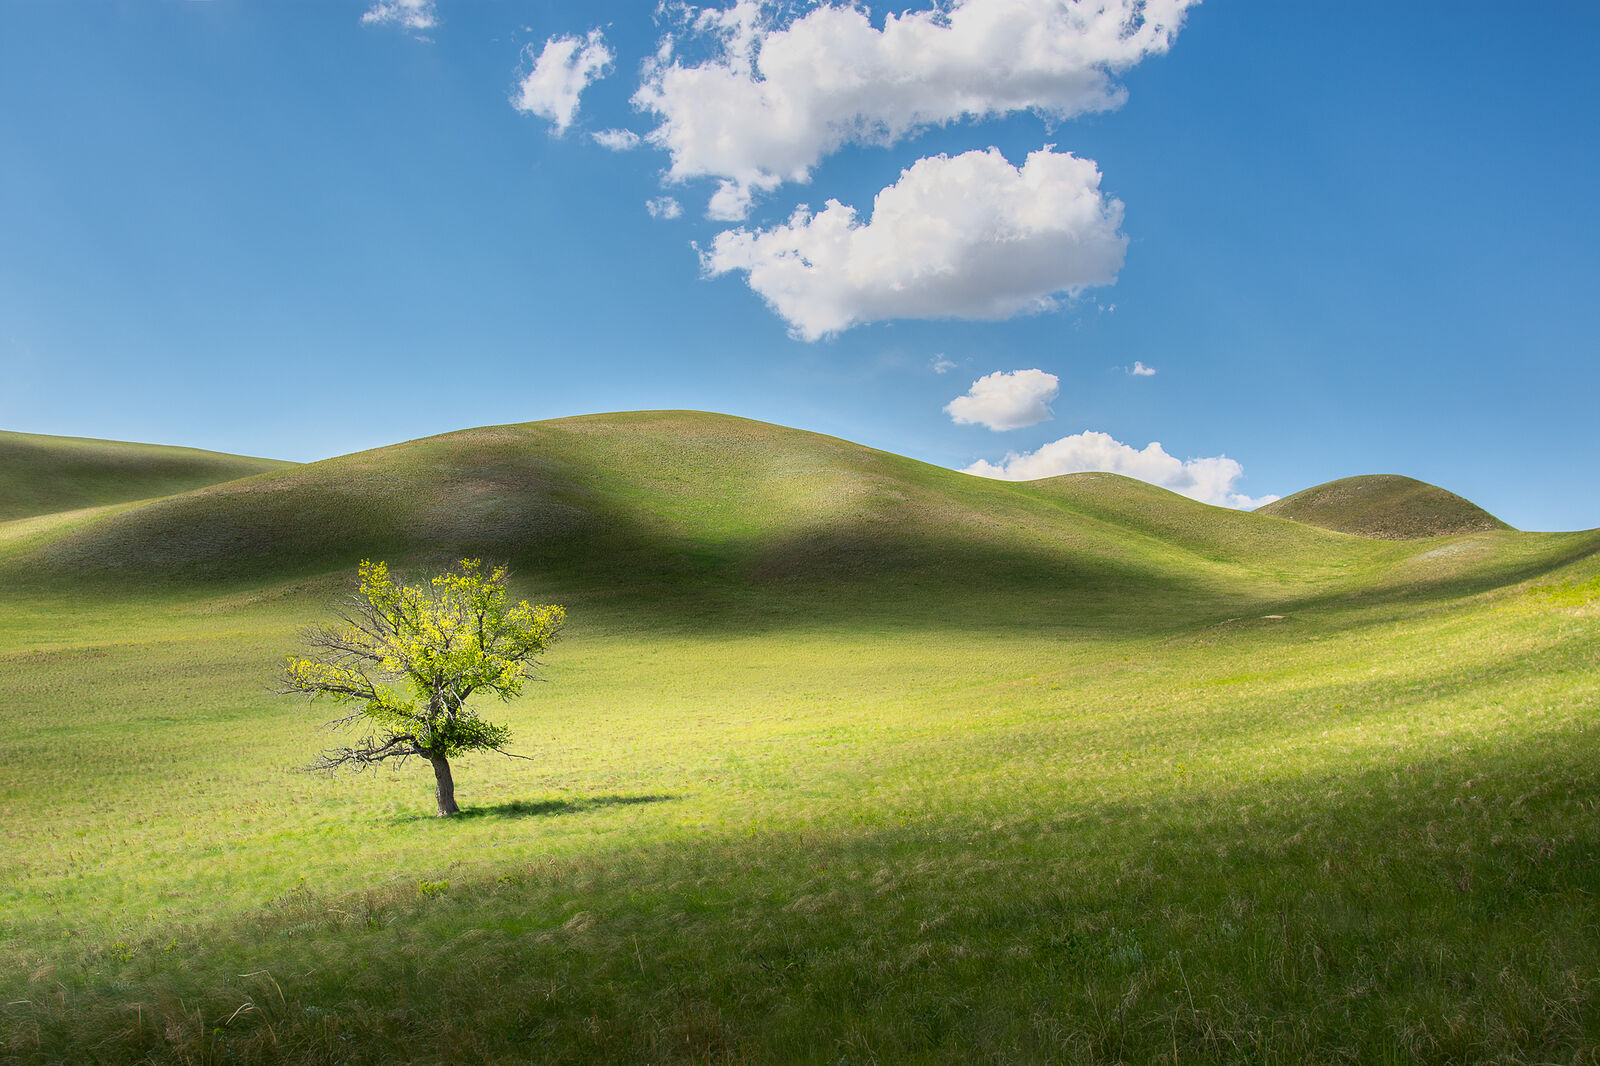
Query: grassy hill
{"points": [[686, 510], [42, 474], [846, 758], [1386, 507]]}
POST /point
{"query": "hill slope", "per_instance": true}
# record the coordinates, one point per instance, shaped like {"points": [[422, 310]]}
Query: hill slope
{"points": [[1384, 507], [1179, 781], [42, 474], [687, 511]]}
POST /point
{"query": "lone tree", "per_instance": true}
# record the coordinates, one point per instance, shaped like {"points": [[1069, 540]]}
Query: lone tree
{"points": [[411, 658]]}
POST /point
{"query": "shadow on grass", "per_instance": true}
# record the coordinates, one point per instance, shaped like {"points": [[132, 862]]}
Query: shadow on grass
{"points": [[1363, 907], [543, 808]]}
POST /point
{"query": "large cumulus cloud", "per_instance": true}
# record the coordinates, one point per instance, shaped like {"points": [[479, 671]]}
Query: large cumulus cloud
{"points": [[775, 97], [968, 236]]}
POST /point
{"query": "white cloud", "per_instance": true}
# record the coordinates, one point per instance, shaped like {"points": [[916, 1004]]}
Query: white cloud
{"points": [[968, 236], [616, 140], [776, 97], [1006, 400], [664, 207], [1139, 370], [566, 67], [942, 364], [414, 16], [731, 202], [1209, 480]]}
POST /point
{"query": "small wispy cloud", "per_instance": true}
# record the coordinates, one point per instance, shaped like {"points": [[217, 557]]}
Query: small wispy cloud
{"points": [[664, 207], [1210, 479], [616, 140], [1004, 400], [1139, 370], [941, 364], [561, 71], [416, 17]]}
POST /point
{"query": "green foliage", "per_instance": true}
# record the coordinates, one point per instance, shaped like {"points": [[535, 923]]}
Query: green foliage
{"points": [[411, 657]]}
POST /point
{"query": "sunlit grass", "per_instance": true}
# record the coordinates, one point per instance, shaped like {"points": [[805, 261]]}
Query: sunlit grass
{"points": [[1268, 840], [845, 759]]}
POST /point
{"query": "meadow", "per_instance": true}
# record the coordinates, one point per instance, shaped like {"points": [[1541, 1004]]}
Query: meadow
{"points": [[843, 759]]}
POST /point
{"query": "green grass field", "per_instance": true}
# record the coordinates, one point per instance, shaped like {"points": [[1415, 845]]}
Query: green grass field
{"points": [[844, 759]]}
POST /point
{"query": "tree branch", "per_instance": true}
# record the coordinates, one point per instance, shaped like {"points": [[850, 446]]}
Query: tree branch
{"points": [[400, 746]]}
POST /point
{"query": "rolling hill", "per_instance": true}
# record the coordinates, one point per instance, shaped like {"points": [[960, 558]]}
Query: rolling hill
{"points": [[845, 757], [688, 510], [43, 474], [1384, 507]]}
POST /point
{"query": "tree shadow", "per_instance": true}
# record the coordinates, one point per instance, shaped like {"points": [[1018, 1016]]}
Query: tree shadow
{"points": [[546, 808]]}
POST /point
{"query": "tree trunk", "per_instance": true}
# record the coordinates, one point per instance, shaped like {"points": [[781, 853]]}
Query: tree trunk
{"points": [[444, 786]]}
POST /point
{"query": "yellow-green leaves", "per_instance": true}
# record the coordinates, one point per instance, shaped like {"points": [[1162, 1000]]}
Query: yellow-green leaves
{"points": [[414, 655]]}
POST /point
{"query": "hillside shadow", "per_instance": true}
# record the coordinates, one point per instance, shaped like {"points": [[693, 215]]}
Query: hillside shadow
{"points": [[545, 808], [922, 548]]}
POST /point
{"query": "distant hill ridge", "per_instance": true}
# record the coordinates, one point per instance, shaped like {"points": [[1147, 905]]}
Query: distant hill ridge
{"points": [[1384, 507], [669, 511], [674, 496], [42, 474]]}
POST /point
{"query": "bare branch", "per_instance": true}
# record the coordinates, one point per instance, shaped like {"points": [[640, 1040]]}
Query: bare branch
{"points": [[400, 746]]}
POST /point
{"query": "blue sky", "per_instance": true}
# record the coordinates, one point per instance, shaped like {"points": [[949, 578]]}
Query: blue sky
{"points": [[1348, 238]]}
